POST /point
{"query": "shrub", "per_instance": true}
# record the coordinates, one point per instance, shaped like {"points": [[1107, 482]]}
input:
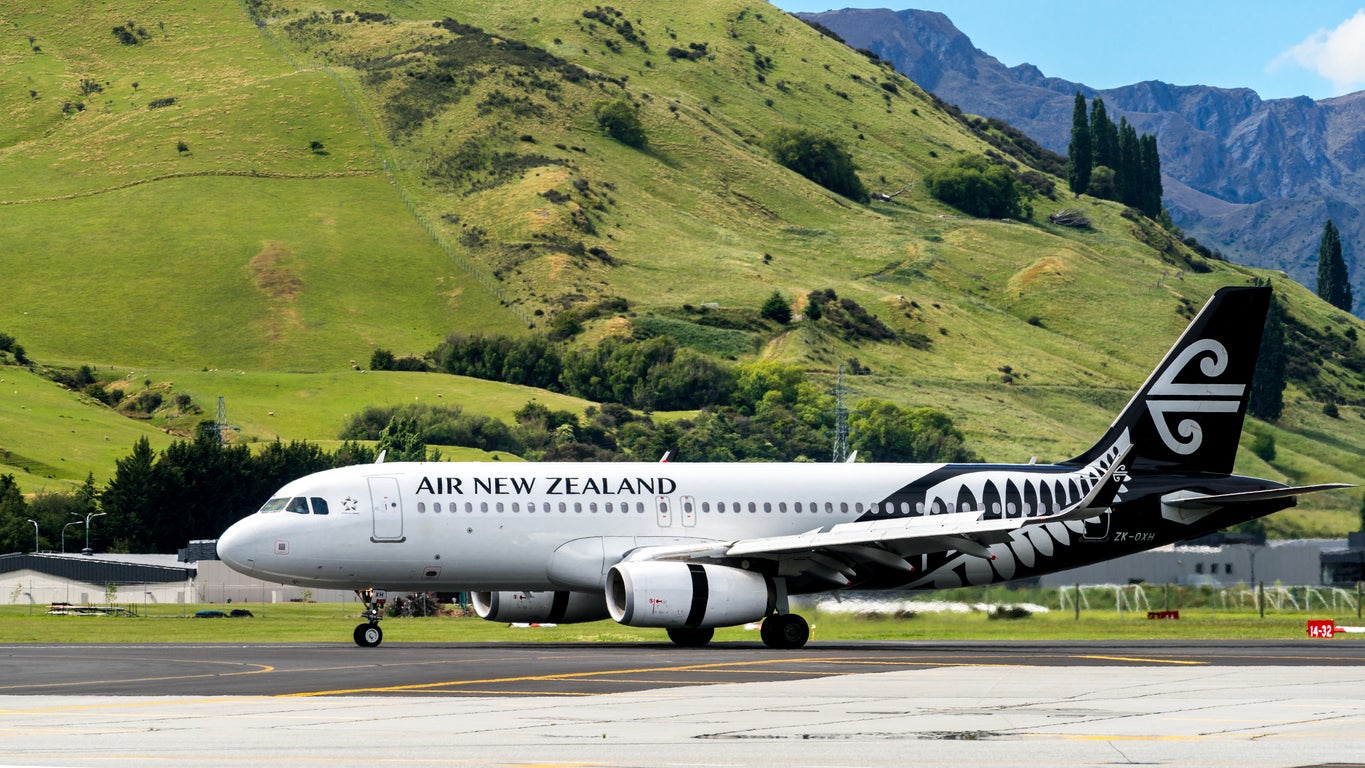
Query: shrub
{"points": [[621, 121], [976, 187], [820, 158]]}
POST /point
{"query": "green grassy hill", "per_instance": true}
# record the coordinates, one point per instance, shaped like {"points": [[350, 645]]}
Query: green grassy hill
{"points": [[325, 183]]}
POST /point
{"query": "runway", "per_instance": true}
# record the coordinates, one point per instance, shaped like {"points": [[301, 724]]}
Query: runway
{"points": [[830, 704], [554, 669]]}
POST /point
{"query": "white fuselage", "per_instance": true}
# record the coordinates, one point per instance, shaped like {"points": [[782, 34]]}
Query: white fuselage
{"points": [[538, 526]]}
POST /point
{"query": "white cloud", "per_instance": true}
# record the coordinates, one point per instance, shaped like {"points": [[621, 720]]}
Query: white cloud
{"points": [[1337, 55]]}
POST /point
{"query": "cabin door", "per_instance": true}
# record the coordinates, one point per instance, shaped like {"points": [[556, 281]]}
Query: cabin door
{"points": [[387, 508]]}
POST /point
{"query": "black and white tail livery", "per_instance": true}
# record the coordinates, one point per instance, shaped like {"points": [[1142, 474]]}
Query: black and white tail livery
{"points": [[690, 547], [1187, 417]]}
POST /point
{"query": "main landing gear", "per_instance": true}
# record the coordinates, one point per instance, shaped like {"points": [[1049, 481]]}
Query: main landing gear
{"points": [[369, 635], [784, 631]]}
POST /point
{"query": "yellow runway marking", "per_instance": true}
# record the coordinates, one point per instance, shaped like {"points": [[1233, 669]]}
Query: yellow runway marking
{"points": [[563, 676], [260, 669], [1145, 661]]}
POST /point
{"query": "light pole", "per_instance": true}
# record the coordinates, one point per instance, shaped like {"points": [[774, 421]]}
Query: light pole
{"points": [[35, 536], [88, 517], [64, 527]]}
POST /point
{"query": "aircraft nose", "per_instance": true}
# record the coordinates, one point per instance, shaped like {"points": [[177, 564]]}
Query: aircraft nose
{"points": [[237, 546]]}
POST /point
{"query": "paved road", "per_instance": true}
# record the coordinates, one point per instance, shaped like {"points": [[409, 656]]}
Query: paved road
{"points": [[498, 669]]}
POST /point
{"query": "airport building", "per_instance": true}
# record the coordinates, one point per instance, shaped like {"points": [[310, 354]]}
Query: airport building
{"points": [[195, 575]]}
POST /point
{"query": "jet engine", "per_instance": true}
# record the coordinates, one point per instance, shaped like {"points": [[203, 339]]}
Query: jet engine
{"points": [[692, 595], [540, 607]]}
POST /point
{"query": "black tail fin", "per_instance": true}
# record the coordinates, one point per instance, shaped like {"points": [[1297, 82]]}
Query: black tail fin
{"points": [[1187, 417]]}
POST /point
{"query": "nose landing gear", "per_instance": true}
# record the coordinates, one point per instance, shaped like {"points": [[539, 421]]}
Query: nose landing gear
{"points": [[369, 635]]}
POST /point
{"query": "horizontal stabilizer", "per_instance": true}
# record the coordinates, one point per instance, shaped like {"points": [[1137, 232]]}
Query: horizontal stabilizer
{"points": [[1204, 501]]}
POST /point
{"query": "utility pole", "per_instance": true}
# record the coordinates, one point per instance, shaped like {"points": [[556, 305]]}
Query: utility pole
{"points": [[840, 419]]}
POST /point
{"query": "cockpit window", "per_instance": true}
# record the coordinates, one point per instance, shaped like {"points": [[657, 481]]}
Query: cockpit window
{"points": [[274, 505], [298, 505], [319, 505]]}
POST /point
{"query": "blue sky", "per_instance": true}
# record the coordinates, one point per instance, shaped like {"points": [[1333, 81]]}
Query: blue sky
{"points": [[1279, 49]]}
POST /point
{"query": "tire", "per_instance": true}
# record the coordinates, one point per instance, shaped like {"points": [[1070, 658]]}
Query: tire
{"points": [[691, 638], [368, 635], [785, 631]]}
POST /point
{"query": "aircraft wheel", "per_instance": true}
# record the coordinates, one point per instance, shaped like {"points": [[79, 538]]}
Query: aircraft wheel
{"points": [[368, 635], [691, 638], [784, 631]]}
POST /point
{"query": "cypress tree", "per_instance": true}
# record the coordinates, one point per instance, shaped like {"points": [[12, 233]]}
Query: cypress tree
{"points": [[1150, 193], [1104, 136], [1129, 169], [1334, 284], [1080, 154]]}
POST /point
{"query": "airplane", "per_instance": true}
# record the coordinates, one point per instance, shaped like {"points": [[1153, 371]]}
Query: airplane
{"points": [[691, 547]]}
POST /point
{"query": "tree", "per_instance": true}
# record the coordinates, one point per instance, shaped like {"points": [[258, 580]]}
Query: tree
{"points": [[1150, 193], [128, 497], [1266, 401], [884, 431], [1128, 174], [1080, 153], [976, 187], [1334, 284], [820, 158], [776, 309], [381, 360], [621, 121], [1104, 135], [402, 440], [16, 532]]}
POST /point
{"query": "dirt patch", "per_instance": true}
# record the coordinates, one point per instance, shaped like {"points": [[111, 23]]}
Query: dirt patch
{"points": [[1047, 271], [274, 279]]}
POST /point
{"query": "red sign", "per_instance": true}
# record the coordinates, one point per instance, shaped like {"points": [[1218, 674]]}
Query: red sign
{"points": [[1322, 628]]}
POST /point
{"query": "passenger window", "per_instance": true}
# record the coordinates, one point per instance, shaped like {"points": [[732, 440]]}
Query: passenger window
{"points": [[768, 507], [469, 506], [298, 505], [516, 507], [705, 507], [782, 507], [592, 507], [829, 507], [421, 507], [919, 507], [483, 506], [436, 508], [752, 507], [531, 507], [500, 509], [578, 507]]}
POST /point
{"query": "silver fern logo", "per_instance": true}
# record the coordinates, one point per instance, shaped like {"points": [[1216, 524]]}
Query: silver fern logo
{"points": [[1167, 398]]}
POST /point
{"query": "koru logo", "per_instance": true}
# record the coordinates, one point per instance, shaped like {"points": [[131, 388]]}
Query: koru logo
{"points": [[1167, 397]]}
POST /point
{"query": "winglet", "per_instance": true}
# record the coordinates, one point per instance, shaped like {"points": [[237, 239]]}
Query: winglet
{"points": [[1101, 496]]}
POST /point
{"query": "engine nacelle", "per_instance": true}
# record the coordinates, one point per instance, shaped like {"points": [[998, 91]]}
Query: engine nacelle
{"points": [[540, 607], [677, 595]]}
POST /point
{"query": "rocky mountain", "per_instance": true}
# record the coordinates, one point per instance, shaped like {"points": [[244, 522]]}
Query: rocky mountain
{"points": [[1254, 178]]}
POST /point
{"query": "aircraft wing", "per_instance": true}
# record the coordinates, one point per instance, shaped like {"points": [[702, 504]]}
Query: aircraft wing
{"points": [[835, 553]]}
